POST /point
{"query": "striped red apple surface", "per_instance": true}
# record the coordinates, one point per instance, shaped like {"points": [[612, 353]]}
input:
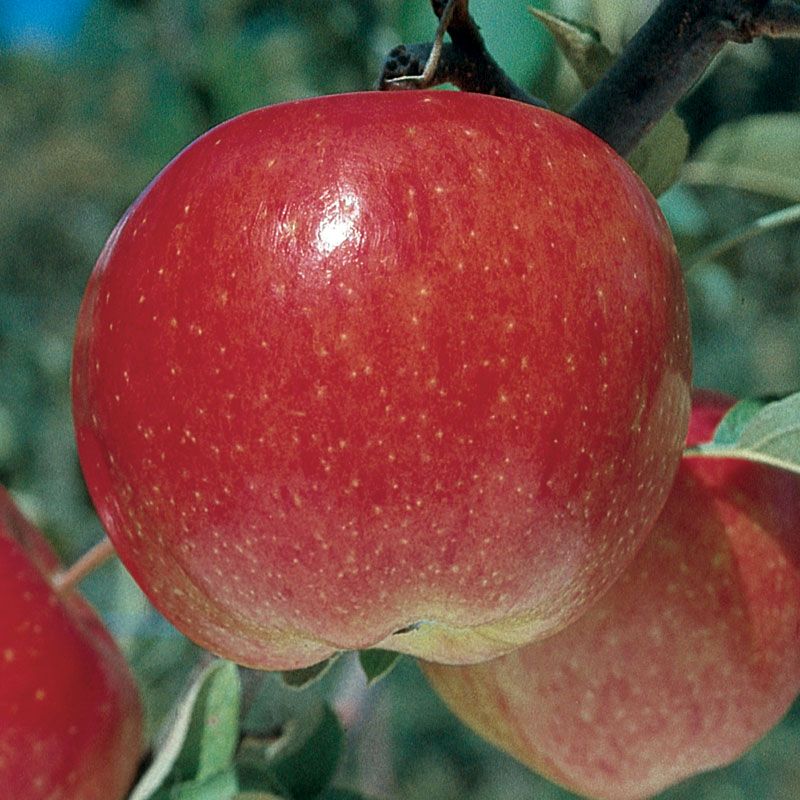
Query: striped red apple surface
{"points": [[70, 715], [691, 657], [396, 369]]}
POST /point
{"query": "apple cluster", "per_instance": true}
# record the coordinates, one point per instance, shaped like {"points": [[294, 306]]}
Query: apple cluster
{"points": [[689, 659], [412, 371]]}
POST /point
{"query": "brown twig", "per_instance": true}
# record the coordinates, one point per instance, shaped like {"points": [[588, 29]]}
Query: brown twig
{"points": [[655, 70], [434, 58], [667, 56], [95, 557], [465, 62]]}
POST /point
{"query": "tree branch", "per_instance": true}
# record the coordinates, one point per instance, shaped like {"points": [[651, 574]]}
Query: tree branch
{"points": [[655, 70], [465, 63], [667, 56]]}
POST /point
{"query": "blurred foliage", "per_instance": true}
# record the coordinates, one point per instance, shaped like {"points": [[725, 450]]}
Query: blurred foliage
{"points": [[84, 128]]}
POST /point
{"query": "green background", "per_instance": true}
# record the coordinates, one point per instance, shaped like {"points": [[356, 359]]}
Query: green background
{"points": [[84, 128]]}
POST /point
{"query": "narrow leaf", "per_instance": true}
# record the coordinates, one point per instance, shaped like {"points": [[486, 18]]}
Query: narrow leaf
{"points": [[758, 430], [617, 20], [661, 154], [760, 153], [222, 786], [175, 734], [257, 796], [377, 663], [580, 44], [764, 224], [214, 730], [300, 678], [736, 420], [659, 157]]}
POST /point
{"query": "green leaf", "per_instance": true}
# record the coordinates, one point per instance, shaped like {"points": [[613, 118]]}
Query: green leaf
{"points": [[201, 733], [760, 153], [305, 759], [758, 430], [769, 222], [298, 764], [257, 796], [213, 734], [222, 786], [300, 678], [343, 794], [660, 155], [377, 663], [580, 44], [617, 20], [736, 420]]}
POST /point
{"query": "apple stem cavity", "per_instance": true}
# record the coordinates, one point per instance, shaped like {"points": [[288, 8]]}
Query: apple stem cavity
{"points": [[414, 626], [94, 558]]}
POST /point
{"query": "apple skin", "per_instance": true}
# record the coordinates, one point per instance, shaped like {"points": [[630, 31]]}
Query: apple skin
{"points": [[691, 657], [70, 715], [379, 362]]}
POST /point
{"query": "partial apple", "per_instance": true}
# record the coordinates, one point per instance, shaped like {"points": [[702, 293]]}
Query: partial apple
{"points": [[692, 656], [70, 716], [381, 362]]}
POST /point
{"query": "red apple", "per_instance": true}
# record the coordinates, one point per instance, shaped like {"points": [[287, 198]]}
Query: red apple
{"points": [[70, 717], [692, 656], [374, 362]]}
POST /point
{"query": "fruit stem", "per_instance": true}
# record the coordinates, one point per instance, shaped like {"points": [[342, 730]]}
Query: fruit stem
{"points": [[655, 70], [465, 62], [68, 579]]}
